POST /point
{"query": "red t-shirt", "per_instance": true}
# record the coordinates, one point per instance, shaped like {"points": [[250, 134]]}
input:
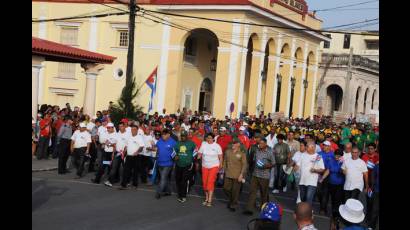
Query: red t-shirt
{"points": [[197, 141], [375, 159], [58, 124], [244, 140], [45, 128], [223, 141], [201, 131]]}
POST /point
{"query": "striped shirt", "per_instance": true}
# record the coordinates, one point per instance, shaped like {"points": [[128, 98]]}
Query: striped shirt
{"points": [[65, 132]]}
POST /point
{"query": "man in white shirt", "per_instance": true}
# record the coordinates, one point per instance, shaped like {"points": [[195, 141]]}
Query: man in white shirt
{"points": [[91, 124], [186, 126], [310, 165], [347, 152], [147, 153], [122, 139], [296, 158], [271, 142], [134, 147], [108, 142], [355, 170], [80, 147]]}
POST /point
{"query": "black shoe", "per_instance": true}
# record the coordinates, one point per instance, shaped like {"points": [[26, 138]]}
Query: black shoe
{"points": [[94, 181], [248, 213], [167, 194], [61, 173], [157, 196]]}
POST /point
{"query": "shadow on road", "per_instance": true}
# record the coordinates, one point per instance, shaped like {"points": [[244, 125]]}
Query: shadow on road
{"points": [[41, 193]]}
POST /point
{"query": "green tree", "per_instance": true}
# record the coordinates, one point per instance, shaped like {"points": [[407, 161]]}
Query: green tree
{"points": [[126, 107]]}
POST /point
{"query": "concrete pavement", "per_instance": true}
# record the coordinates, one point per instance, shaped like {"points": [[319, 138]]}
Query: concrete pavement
{"points": [[44, 165]]}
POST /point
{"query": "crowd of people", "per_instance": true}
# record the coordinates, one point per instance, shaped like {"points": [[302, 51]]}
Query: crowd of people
{"points": [[316, 157]]}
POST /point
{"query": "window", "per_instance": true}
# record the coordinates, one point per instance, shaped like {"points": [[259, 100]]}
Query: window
{"points": [[187, 101], [69, 36], [123, 38], [326, 44], [190, 50], [372, 44], [346, 41]]}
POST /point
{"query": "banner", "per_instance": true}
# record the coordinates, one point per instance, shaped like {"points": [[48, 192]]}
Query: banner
{"points": [[278, 116]]}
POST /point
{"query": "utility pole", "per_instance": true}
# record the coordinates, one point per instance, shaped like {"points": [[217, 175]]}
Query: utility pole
{"points": [[346, 94], [131, 29]]}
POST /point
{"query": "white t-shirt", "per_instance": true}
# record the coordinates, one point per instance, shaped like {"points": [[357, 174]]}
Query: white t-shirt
{"points": [[305, 163], [81, 139], [122, 139], [354, 174], [186, 127], [148, 143], [128, 130], [296, 158], [210, 153], [100, 132], [271, 142], [134, 143], [108, 138], [347, 155]]}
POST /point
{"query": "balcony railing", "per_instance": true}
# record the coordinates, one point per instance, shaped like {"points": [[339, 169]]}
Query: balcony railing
{"points": [[343, 60]]}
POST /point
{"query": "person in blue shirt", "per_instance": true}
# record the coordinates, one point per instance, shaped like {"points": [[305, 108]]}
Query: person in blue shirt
{"points": [[323, 185], [336, 181], [165, 149]]}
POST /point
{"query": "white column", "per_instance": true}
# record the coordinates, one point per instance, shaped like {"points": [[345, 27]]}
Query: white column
{"points": [[261, 62], [315, 68], [292, 60], [243, 70], [163, 66], [91, 73], [92, 41], [277, 66], [36, 65], [233, 65], [302, 88], [42, 33]]}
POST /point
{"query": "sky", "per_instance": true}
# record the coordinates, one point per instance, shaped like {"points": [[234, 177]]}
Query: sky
{"points": [[342, 16]]}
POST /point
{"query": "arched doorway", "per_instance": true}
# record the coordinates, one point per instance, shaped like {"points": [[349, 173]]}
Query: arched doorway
{"points": [[253, 41], [356, 105], [284, 55], [365, 101], [198, 70], [298, 57], [374, 94], [334, 97], [205, 95]]}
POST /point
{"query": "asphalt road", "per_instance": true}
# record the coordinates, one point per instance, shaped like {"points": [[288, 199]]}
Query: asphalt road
{"points": [[61, 202]]}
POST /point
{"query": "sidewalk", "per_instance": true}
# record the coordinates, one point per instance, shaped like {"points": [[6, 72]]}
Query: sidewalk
{"points": [[43, 165]]}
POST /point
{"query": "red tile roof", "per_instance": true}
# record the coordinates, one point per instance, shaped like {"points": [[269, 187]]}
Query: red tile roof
{"points": [[54, 51]]}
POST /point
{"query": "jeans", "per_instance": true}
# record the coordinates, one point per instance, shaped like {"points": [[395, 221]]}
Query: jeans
{"points": [[352, 194], [106, 156], [164, 173], [115, 169], [307, 193], [63, 154], [182, 176], [42, 147], [130, 168], [372, 214], [336, 195], [80, 159], [323, 194], [280, 177]]}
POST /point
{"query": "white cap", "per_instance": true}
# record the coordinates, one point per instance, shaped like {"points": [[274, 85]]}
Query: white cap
{"points": [[352, 211], [242, 128], [110, 125], [82, 125], [326, 143], [222, 128]]}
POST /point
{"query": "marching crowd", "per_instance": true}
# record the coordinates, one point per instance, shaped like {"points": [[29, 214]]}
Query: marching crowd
{"points": [[316, 157]]}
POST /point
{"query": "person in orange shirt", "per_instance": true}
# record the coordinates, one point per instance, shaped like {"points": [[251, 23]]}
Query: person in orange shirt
{"points": [[243, 138], [45, 134]]}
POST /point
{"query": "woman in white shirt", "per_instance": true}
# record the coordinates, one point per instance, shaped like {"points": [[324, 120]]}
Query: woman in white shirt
{"points": [[211, 155]]}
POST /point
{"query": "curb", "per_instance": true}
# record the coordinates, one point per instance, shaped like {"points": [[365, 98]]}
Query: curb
{"points": [[46, 169]]}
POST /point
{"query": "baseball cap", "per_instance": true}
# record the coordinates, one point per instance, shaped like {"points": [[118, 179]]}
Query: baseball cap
{"points": [[271, 211], [110, 125], [82, 125], [124, 120], [242, 128], [326, 143], [222, 128]]}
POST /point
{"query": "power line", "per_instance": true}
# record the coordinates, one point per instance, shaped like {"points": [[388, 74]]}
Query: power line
{"points": [[344, 6], [247, 23], [79, 17], [350, 24]]}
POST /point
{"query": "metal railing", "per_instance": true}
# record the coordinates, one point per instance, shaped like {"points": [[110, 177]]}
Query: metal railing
{"points": [[343, 60]]}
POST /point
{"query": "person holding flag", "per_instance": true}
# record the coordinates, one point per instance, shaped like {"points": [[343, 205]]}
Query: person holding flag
{"points": [[184, 158], [152, 83]]}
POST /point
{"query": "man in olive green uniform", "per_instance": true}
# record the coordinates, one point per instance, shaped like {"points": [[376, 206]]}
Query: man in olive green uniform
{"points": [[184, 158], [234, 165], [282, 157]]}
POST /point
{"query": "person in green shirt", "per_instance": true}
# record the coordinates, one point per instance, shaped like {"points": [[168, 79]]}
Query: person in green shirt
{"points": [[346, 134], [359, 140], [184, 157], [370, 137]]}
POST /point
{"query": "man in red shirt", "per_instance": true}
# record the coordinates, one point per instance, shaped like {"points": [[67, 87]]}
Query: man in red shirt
{"points": [[333, 145], [223, 139], [371, 158], [45, 134], [243, 138]]}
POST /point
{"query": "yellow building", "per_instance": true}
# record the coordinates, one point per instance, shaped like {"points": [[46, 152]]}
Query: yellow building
{"points": [[202, 64]]}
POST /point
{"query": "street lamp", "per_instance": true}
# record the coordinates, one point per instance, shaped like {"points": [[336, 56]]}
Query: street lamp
{"points": [[293, 82], [305, 83], [279, 77], [213, 65]]}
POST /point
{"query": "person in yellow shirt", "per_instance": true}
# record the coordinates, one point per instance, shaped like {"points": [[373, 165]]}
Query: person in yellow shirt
{"points": [[354, 130]]}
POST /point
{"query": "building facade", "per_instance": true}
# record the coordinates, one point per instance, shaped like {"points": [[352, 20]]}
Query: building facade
{"points": [[353, 90], [203, 65]]}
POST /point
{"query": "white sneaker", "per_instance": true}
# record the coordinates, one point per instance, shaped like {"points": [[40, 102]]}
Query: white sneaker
{"points": [[275, 191], [108, 183]]}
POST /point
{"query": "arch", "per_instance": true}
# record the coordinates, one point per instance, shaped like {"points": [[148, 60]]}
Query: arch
{"points": [[366, 95], [358, 92], [205, 95], [256, 44], [311, 58], [198, 31], [373, 97], [285, 51], [271, 46], [298, 55], [334, 97]]}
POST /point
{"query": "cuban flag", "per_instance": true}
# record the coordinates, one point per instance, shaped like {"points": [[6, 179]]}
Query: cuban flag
{"points": [[370, 164], [152, 83], [195, 152]]}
